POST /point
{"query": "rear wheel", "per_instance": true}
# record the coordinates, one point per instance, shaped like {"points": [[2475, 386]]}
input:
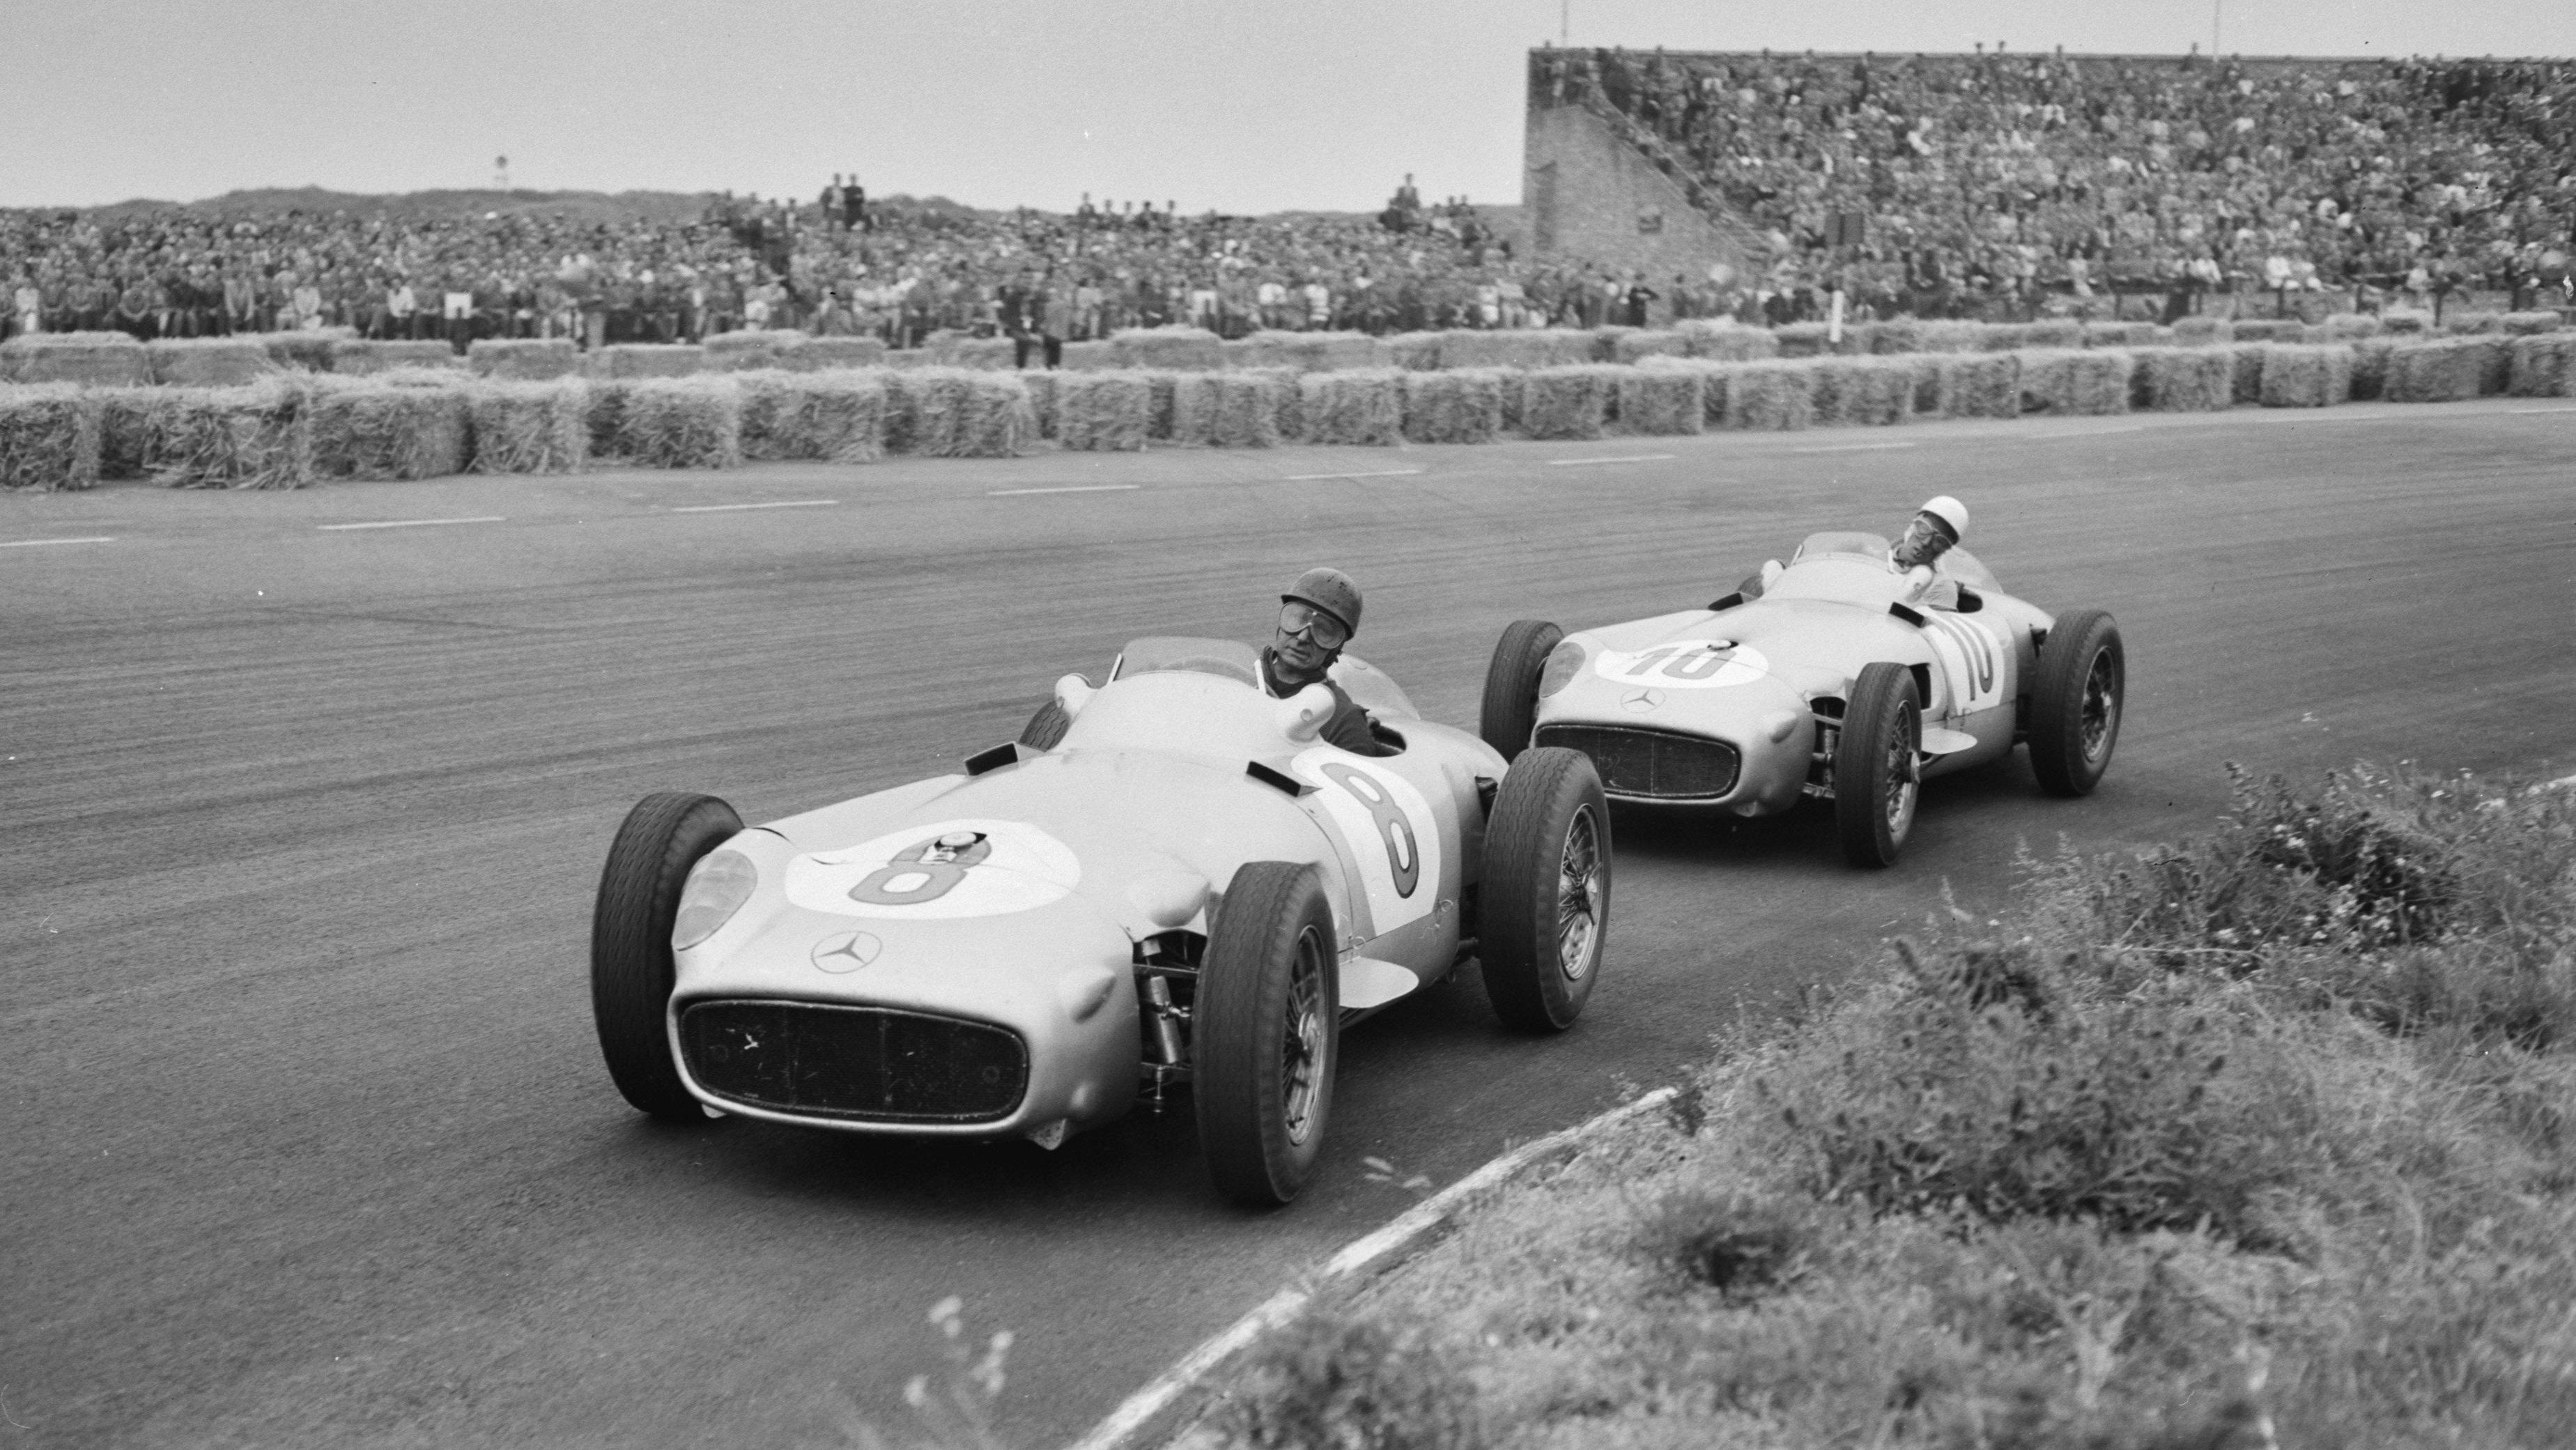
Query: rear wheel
{"points": [[1877, 771], [1266, 1033], [1546, 892], [631, 969], [2075, 699], [1511, 684]]}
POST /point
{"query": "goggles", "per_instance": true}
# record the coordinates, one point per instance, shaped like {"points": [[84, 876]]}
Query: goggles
{"points": [[1298, 617]]}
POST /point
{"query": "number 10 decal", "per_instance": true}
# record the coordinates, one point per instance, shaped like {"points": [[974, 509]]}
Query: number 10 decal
{"points": [[1403, 852]]}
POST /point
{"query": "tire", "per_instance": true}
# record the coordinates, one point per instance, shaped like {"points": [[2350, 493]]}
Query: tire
{"points": [[1266, 1033], [1878, 772], [1045, 730], [1511, 685], [2076, 697], [1545, 899], [630, 943]]}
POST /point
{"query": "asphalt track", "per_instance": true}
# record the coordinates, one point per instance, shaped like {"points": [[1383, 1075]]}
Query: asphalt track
{"points": [[307, 1141]]}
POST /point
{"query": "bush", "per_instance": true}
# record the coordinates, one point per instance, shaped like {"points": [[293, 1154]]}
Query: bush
{"points": [[1573, 402], [259, 436], [523, 359], [1362, 406], [2183, 379], [957, 413], [682, 423], [529, 427], [97, 359], [1188, 349], [49, 437], [1661, 401], [1104, 411], [1338, 1379], [1770, 397], [2440, 371], [653, 360], [2544, 367], [1862, 392], [1460, 406], [375, 430], [2306, 377], [208, 362], [2074, 381]]}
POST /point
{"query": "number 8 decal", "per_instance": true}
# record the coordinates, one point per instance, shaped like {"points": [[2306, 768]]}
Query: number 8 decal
{"points": [[1403, 853], [921, 873]]}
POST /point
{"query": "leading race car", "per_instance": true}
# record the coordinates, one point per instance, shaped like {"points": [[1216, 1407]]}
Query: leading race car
{"points": [[1187, 888], [1838, 682]]}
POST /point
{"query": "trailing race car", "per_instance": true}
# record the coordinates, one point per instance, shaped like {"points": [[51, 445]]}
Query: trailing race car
{"points": [[1837, 682], [1187, 888]]}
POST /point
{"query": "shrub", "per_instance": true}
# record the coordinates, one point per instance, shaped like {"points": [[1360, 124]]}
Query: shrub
{"points": [[957, 413], [2306, 377], [378, 431], [2183, 379], [208, 362], [98, 359], [1726, 341], [1102, 412], [1189, 349], [1463, 405], [1362, 406], [1660, 401], [529, 427], [362, 357], [2440, 371], [1342, 1379], [2074, 381], [259, 436], [2203, 331], [653, 360], [49, 437], [682, 423], [2544, 366], [1770, 397], [1862, 392], [523, 359], [1572, 402]]}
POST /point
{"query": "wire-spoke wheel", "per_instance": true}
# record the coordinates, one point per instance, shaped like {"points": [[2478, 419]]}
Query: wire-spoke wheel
{"points": [[1545, 901], [1878, 772], [2076, 697], [1266, 1032]]}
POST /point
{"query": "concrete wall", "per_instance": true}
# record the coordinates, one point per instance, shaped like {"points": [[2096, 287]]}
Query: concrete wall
{"points": [[1589, 196]]}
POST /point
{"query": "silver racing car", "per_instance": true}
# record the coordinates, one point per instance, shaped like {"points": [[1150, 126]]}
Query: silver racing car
{"points": [[1186, 888]]}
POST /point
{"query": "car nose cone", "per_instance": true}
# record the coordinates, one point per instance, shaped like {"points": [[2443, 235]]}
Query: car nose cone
{"points": [[846, 951]]}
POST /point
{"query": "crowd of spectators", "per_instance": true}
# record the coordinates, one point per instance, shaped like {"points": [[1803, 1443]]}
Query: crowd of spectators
{"points": [[1997, 178]]}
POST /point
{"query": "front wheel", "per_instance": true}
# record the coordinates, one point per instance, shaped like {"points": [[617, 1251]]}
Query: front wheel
{"points": [[1511, 685], [631, 970], [1266, 1033], [1878, 773], [2075, 698], [1546, 892]]}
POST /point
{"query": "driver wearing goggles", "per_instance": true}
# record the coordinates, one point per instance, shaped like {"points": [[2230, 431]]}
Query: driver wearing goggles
{"points": [[1317, 616]]}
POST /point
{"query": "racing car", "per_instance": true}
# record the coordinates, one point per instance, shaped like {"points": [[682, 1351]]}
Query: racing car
{"points": [[1184, 887], [1839, 681]]}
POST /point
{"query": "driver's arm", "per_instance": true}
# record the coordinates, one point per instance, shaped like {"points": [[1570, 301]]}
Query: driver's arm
{"points": [[1351, 729]]}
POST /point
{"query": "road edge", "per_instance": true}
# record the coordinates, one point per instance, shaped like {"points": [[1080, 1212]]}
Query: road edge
{"points": [[1157, 1408]]}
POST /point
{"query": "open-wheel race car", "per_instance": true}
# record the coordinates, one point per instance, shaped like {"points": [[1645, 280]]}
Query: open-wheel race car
{"points": [[1839, 681], [1187, 888]]}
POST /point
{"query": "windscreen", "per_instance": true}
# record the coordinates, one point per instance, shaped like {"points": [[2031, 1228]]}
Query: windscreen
{"points": [[1181, 654]]}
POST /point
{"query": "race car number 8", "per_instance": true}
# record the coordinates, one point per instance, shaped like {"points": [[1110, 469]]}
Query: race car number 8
{"points": [[916, 875], [1403, 853]]}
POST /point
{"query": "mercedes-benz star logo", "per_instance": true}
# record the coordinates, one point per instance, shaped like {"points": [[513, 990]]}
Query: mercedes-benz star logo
{"points": [[1642, 700], [846, 952]]}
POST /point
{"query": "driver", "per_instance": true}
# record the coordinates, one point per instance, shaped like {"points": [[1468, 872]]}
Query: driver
{"points": [[1934, 529], [1317, 616]]}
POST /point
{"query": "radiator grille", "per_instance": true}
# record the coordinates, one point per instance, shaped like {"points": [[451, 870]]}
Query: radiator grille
{"points": [[1651, 764], [861, 1063]]}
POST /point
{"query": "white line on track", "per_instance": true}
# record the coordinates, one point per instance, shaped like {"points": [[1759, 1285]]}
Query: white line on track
{"points": [[2072, 437], [1069, 488], [2545, 410], [1381, 473], [726, 508], [1855, 447], [413, 523], [1623, 458], [32, 543], [1120, 1430]]}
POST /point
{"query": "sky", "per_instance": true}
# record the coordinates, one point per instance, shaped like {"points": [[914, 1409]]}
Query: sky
{"points": [[1236, 105]]}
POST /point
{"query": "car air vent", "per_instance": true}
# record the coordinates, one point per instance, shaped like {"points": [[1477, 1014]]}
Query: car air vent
{"points": [[863, 1064], [1662, 765]]}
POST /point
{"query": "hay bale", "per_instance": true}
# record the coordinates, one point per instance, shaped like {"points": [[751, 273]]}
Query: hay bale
{"points": [[2182, 379], [1193, 407], [1631, 347], [2073, 381], [129, 420], [1089, 357], [308, 349], [1461, 405], [2443, 370], [2306, 377], [2543, 365], [2003, 336], [523, 359], [2269, 329], [260, 436], [831, 417], [95, 359], [49, 437], [2248, 384], [741, 351], [604, 414], [1925, 371], [358, 357], [2527, 324], [1725, 341], [375, 430], [653, 360], [1304, 352], [2119, 334], [2405, 322], [1412, 351], [1041, 385], [957, 350], [2053, 332], [682, 422], [1176, 348], [2203, 331], [1162, 404], [1767, 397], [529, 427], [1572, 402], [1363, 406], [213, 362], [1950, 335], [835, 354], [2350, 327], [1659, 401], [1978, 385], [2370, 368], [1102, 411], [1520, 348], [1891, 338], [2464, 323], [1802, 339], [1225, 410], [1862, 392], [957, 413]]}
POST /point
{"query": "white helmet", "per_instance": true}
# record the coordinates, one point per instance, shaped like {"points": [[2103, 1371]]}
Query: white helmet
{"points": [[1952, 514]]}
